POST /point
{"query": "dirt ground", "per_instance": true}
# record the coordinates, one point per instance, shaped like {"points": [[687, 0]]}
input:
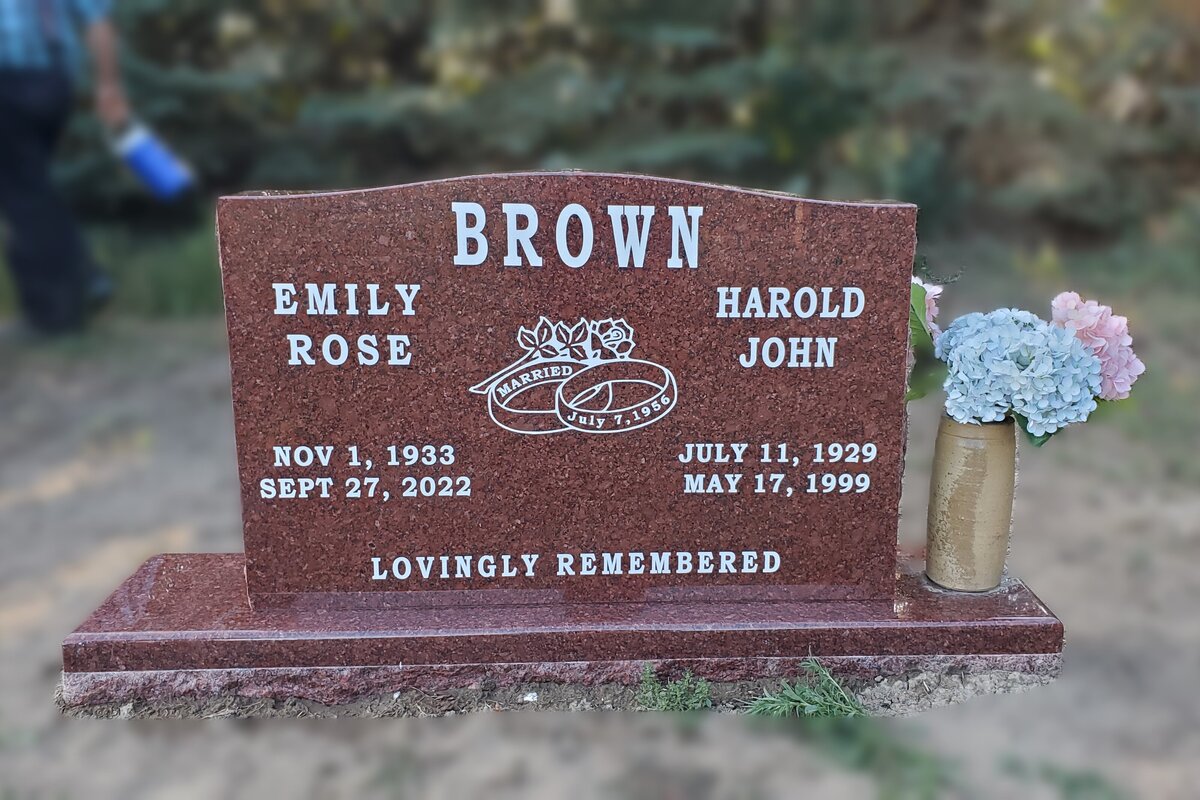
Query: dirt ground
{"points": [[120, 446]]}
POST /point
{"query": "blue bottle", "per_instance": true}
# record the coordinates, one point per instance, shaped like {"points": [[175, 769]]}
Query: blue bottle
{"points": [[159, 170]]}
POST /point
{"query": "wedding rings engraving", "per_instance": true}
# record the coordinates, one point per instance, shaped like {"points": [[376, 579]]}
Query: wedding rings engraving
{"points": [[578, 377]]}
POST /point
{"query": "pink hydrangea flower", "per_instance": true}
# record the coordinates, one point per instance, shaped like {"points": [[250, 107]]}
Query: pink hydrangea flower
{"points": [[932, 292], [1107, 334]]}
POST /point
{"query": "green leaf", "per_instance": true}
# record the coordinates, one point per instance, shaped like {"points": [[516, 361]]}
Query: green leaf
{"points": [[928, 373], [919, 335], [1023, 423]]}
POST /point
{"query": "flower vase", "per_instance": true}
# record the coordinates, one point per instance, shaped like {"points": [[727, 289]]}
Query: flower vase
{"points": [[970, 504]]}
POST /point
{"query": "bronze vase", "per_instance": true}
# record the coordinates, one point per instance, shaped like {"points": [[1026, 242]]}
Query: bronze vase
{"points": [[971, 504]]}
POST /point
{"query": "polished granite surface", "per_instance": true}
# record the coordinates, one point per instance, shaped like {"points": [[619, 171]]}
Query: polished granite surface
{"points": [[191, 612]]}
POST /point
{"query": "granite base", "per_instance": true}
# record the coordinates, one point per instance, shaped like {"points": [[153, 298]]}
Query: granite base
{"points": [[180, 630]]}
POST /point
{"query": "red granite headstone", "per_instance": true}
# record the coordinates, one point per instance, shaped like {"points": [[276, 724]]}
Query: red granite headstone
{"points": [[609, 387], [552, 427]]}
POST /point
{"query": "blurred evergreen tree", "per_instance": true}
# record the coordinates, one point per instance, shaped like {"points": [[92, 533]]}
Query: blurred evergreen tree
{"points": [[1069, 114]]}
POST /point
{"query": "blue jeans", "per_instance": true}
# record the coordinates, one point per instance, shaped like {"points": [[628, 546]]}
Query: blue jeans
{"points": [[46, 253]]}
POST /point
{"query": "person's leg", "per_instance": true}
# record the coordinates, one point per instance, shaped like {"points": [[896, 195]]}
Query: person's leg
{"points": [[95, 283], [45, 249]]}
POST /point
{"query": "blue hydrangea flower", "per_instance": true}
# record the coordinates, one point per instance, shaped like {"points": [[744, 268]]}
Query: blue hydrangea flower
{"points": [[1010, 360]]}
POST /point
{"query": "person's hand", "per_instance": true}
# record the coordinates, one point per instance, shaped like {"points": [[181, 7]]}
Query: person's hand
{"points": [[112, 107]]}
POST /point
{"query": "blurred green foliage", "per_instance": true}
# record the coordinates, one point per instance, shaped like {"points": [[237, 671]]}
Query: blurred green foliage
{"points": [[1050, 145], [1076, 115], [902, 768]]}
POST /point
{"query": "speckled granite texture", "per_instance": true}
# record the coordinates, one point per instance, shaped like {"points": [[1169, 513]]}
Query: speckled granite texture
{"points": [[181, 628], [885, 685], [568, 491], [310, 613]]}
